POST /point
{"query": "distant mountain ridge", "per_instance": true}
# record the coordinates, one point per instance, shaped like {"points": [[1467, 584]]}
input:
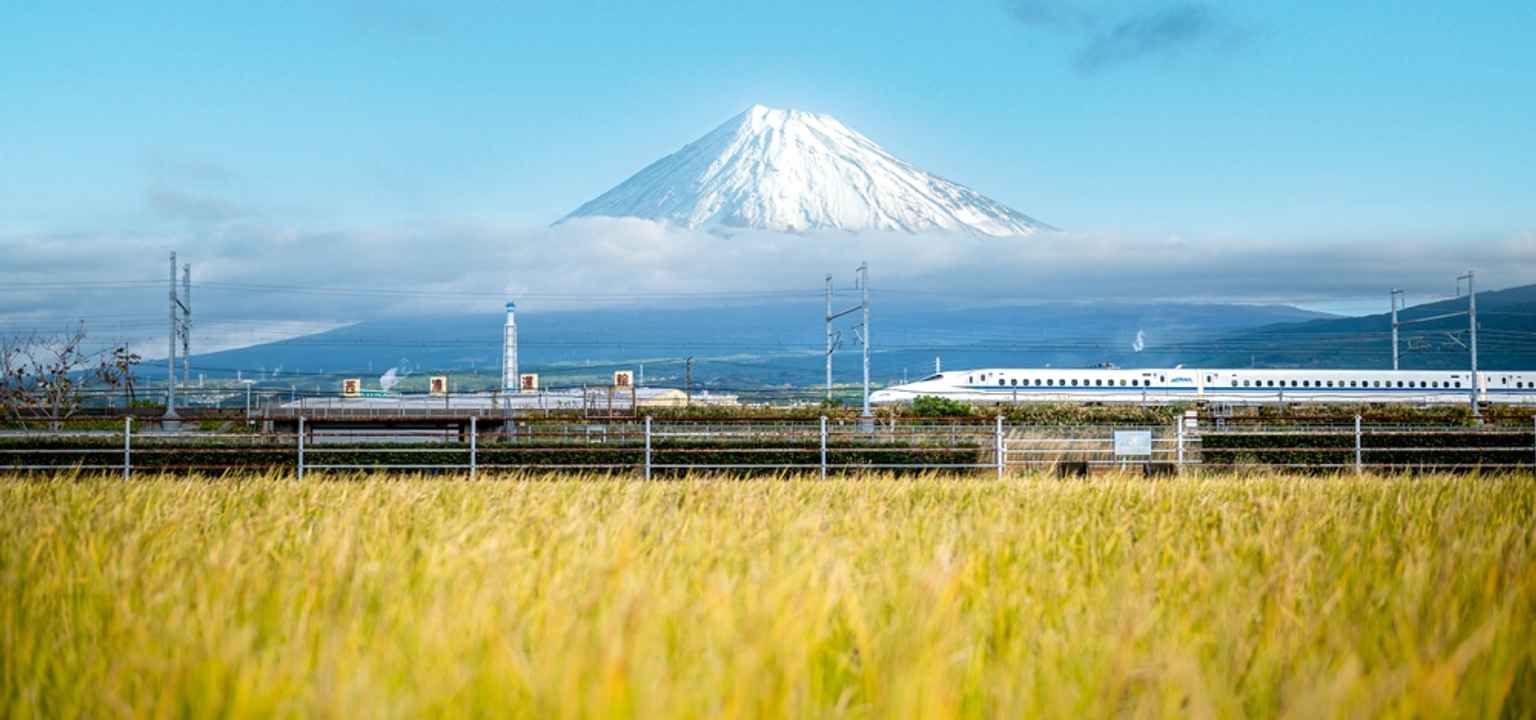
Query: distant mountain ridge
{"points": [[758, 345], [792, 171], [1506, 329]]}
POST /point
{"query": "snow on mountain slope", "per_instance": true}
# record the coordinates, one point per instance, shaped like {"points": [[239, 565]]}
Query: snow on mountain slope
{"points": [[794, 171]]}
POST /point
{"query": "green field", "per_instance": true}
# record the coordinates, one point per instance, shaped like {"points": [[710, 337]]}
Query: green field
{"points": [[935, 597]]}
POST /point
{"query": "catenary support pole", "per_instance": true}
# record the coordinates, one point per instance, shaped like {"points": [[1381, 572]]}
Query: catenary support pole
{"points": [[823, 447], [1477, 414], [473, 432], [864, 334], [1394, 297], [170, 358], [127, 447], [186, 322], [829, 318], [1472, 313], [647, 447], [301, 447]]}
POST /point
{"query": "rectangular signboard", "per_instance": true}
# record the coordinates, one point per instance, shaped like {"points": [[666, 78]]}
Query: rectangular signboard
{"points": [[1133, 443]]}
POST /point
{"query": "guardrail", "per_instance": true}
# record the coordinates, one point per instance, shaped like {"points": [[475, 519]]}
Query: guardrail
{"points": [[649, 448]]}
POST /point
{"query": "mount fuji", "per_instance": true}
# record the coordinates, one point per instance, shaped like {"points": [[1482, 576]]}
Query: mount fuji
{"points": [[792, 171]]}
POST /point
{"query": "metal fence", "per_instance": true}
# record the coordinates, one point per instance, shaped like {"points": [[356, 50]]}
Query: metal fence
{"points": [[650, 449]]}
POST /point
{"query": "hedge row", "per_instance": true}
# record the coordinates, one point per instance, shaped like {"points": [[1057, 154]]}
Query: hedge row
{"points": [[1377, 448]]}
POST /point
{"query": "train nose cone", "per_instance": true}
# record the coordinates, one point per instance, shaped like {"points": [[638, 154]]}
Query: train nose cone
{"points": [[883, 396]]}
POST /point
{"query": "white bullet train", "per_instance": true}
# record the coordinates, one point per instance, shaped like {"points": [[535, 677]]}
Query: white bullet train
{"points": [[1179, 385]]}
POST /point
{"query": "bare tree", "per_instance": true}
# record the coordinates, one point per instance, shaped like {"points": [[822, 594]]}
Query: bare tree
{"points": [[116, 370], [43, 375]]}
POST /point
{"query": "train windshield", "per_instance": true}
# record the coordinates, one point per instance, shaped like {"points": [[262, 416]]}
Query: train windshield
{"points": [[934, 376]]}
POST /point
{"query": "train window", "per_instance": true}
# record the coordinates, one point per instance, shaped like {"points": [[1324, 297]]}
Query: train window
{"points": [[1271, 383], [1001, 381], [1330, 383], [1458, 383], [1234, 383], [1399, 383], [1098, 383], [1074, 382], [1037, 381], [970, 378], [1051, 383], [1293, 383], [1246, 383], [1122, 382], [1162, 378]]}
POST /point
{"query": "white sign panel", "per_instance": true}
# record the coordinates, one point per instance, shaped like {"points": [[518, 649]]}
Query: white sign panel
{"points": [[1133, 442]]}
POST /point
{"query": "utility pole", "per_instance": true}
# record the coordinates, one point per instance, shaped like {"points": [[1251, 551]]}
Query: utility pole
{"points": [[170, 360], [1396, 298], [1472, 319]]}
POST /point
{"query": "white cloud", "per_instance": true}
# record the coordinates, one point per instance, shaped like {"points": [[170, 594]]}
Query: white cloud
{"points": [[593, 261]]}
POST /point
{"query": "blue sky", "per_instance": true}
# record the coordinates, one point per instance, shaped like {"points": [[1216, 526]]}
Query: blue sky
{"points": [[1311, 125]]}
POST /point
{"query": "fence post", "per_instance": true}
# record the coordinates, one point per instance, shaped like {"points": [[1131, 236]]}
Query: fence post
{"points": [[472, 433], [998, 446], [1179, 433], [647, 447], [301, 447], [127, 447], [1358, 461], [823, 447]]}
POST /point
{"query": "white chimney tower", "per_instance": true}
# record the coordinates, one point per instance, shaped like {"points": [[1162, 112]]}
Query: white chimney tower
{"points": [[509, 382]]}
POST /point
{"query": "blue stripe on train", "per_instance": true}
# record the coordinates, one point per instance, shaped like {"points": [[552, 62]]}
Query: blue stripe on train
{"points": [[1070, 388]]}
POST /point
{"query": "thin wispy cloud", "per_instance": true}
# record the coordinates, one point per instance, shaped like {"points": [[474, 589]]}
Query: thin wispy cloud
{"points": [[1110, 35]]}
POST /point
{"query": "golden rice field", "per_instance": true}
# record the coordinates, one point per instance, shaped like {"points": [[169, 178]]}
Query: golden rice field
{"points": [[877, 597]]}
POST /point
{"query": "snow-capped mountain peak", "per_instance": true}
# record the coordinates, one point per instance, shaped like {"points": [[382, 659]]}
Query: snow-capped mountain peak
{"points": [[794, 171]]}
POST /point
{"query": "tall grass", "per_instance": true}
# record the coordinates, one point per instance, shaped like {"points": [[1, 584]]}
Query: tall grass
{"points": [[933, 598]]}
